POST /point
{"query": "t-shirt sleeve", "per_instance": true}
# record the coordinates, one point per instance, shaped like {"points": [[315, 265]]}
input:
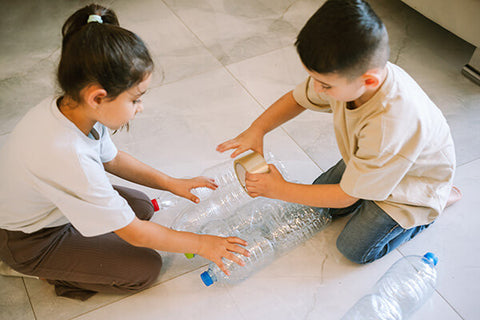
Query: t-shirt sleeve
{"points": [[108, 150], [374, 170], [305, 95], [81, 190]]}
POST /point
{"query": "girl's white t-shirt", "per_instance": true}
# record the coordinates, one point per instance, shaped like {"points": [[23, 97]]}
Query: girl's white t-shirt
{"points": [[52, 174]]}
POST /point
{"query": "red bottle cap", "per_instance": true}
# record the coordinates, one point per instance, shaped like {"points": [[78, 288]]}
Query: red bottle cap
{"points": [[156, 207]]}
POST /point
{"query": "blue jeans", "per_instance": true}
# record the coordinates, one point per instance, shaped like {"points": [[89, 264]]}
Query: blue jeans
{"points": [[370, 233]]}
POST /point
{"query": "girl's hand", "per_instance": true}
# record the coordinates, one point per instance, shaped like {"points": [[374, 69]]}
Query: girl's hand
{"points": [[270, 184], [183, 187], [215, 248], [249, 139]]}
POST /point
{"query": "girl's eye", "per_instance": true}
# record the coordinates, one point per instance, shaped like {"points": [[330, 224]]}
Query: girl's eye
{"points": [[326, 87], [137, 101]]}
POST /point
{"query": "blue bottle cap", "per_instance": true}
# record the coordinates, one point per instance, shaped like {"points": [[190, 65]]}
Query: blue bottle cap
{"points": [[431, 258], [207, 280]]}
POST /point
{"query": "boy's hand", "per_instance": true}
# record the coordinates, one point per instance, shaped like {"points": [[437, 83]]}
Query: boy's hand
{"points": [[269, 185], [183, 187], [249, 139], [215, 248]]}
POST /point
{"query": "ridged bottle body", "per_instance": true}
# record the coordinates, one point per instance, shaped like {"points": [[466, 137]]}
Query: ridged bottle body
{"points": [[220, 203], [281, 224], [402, 290], [261, 253]]}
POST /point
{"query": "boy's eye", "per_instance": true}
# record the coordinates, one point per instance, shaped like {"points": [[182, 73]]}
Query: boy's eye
{"points": [[137, 101], [326, 87]]}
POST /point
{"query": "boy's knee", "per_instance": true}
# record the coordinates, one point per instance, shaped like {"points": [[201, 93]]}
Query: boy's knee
{"points": [[355, 253]]}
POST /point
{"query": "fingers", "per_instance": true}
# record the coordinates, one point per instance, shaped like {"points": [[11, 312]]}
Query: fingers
{"points": [[210, 183], [252, 177], [222, 267], [240, 250], [193, 198], [273, 168], [236, 240], [199, 182], [238, 151], [227, 145], [234, 247], [235, 258]]}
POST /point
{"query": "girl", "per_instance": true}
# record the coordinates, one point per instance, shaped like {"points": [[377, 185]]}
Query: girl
{"points": [[60, 218]]}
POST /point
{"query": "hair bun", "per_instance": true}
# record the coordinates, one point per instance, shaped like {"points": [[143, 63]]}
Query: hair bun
{"points": [[85, 15]]}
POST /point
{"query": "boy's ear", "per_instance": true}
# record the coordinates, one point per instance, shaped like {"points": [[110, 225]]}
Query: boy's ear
{"points": [[371, 79], [94, 95]]}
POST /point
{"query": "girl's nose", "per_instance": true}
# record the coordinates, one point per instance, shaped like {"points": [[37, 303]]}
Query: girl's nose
{"points": [[139, 108]]}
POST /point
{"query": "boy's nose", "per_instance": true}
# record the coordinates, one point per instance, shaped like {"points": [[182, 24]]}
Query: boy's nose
{"points": [[139, 108]]}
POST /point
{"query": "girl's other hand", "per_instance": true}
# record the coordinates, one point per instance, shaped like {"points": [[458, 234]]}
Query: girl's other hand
{"points": [[249, 139], [183, 187], [215, 248]]}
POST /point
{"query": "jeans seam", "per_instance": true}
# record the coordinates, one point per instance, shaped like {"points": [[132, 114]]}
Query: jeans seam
{"points": [[383, 238]]}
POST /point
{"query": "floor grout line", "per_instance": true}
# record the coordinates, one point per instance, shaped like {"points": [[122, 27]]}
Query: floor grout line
{"points": [[130, 295], [29, 299], [225, 66]]}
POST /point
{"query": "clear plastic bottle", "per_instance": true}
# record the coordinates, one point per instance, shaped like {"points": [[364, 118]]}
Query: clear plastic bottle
{"points": [[261, 253], [223, 173], [405, 287], [286, 224], [165, 200], [281, 224], [220, 204], [374, 307]]}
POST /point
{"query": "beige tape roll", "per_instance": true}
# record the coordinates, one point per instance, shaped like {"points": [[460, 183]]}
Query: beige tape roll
{"points": [[252, 163]]}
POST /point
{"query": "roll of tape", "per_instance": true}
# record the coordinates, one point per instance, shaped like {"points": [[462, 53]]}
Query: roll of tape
{"points": [[252, 163]]}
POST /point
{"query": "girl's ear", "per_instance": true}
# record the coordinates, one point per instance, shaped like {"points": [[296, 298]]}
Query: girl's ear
{"points": [[94, 95]]}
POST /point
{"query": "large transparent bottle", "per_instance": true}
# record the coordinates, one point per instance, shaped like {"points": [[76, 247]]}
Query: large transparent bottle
{"points": [[281, 224], [220, 203], [402, 290], [286, 224], [261, 254]]}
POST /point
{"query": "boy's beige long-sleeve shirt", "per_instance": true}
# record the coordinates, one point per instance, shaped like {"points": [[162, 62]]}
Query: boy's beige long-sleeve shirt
{"points": [[397, 148]]}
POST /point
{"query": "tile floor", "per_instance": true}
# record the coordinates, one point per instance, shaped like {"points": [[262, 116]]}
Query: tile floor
{"points": [[219, 64]]}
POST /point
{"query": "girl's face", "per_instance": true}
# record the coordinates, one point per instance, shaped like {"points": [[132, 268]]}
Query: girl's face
{"points": [[118, 112]]}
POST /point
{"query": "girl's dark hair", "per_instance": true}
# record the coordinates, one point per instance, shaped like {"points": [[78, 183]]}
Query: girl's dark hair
{"points": [[101, 53], [343, 36]]}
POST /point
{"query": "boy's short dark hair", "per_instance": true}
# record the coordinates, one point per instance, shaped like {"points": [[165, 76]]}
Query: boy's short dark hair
{"points": [[343, 36]]}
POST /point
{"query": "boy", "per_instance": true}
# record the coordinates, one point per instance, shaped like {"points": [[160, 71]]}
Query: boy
{"points": [[398, 158]]}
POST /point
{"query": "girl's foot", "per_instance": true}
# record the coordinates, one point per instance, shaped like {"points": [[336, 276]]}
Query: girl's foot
{"points": [[455, 195]]}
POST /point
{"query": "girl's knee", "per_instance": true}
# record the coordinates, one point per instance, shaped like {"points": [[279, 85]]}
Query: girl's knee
{"points": [[138, 201], [147, 272]]}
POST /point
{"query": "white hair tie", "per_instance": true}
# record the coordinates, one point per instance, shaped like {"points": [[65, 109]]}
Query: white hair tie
{"points": [[94, 18]]}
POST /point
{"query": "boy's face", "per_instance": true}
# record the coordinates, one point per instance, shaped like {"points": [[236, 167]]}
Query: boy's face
{"points": [[337, 86]]}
